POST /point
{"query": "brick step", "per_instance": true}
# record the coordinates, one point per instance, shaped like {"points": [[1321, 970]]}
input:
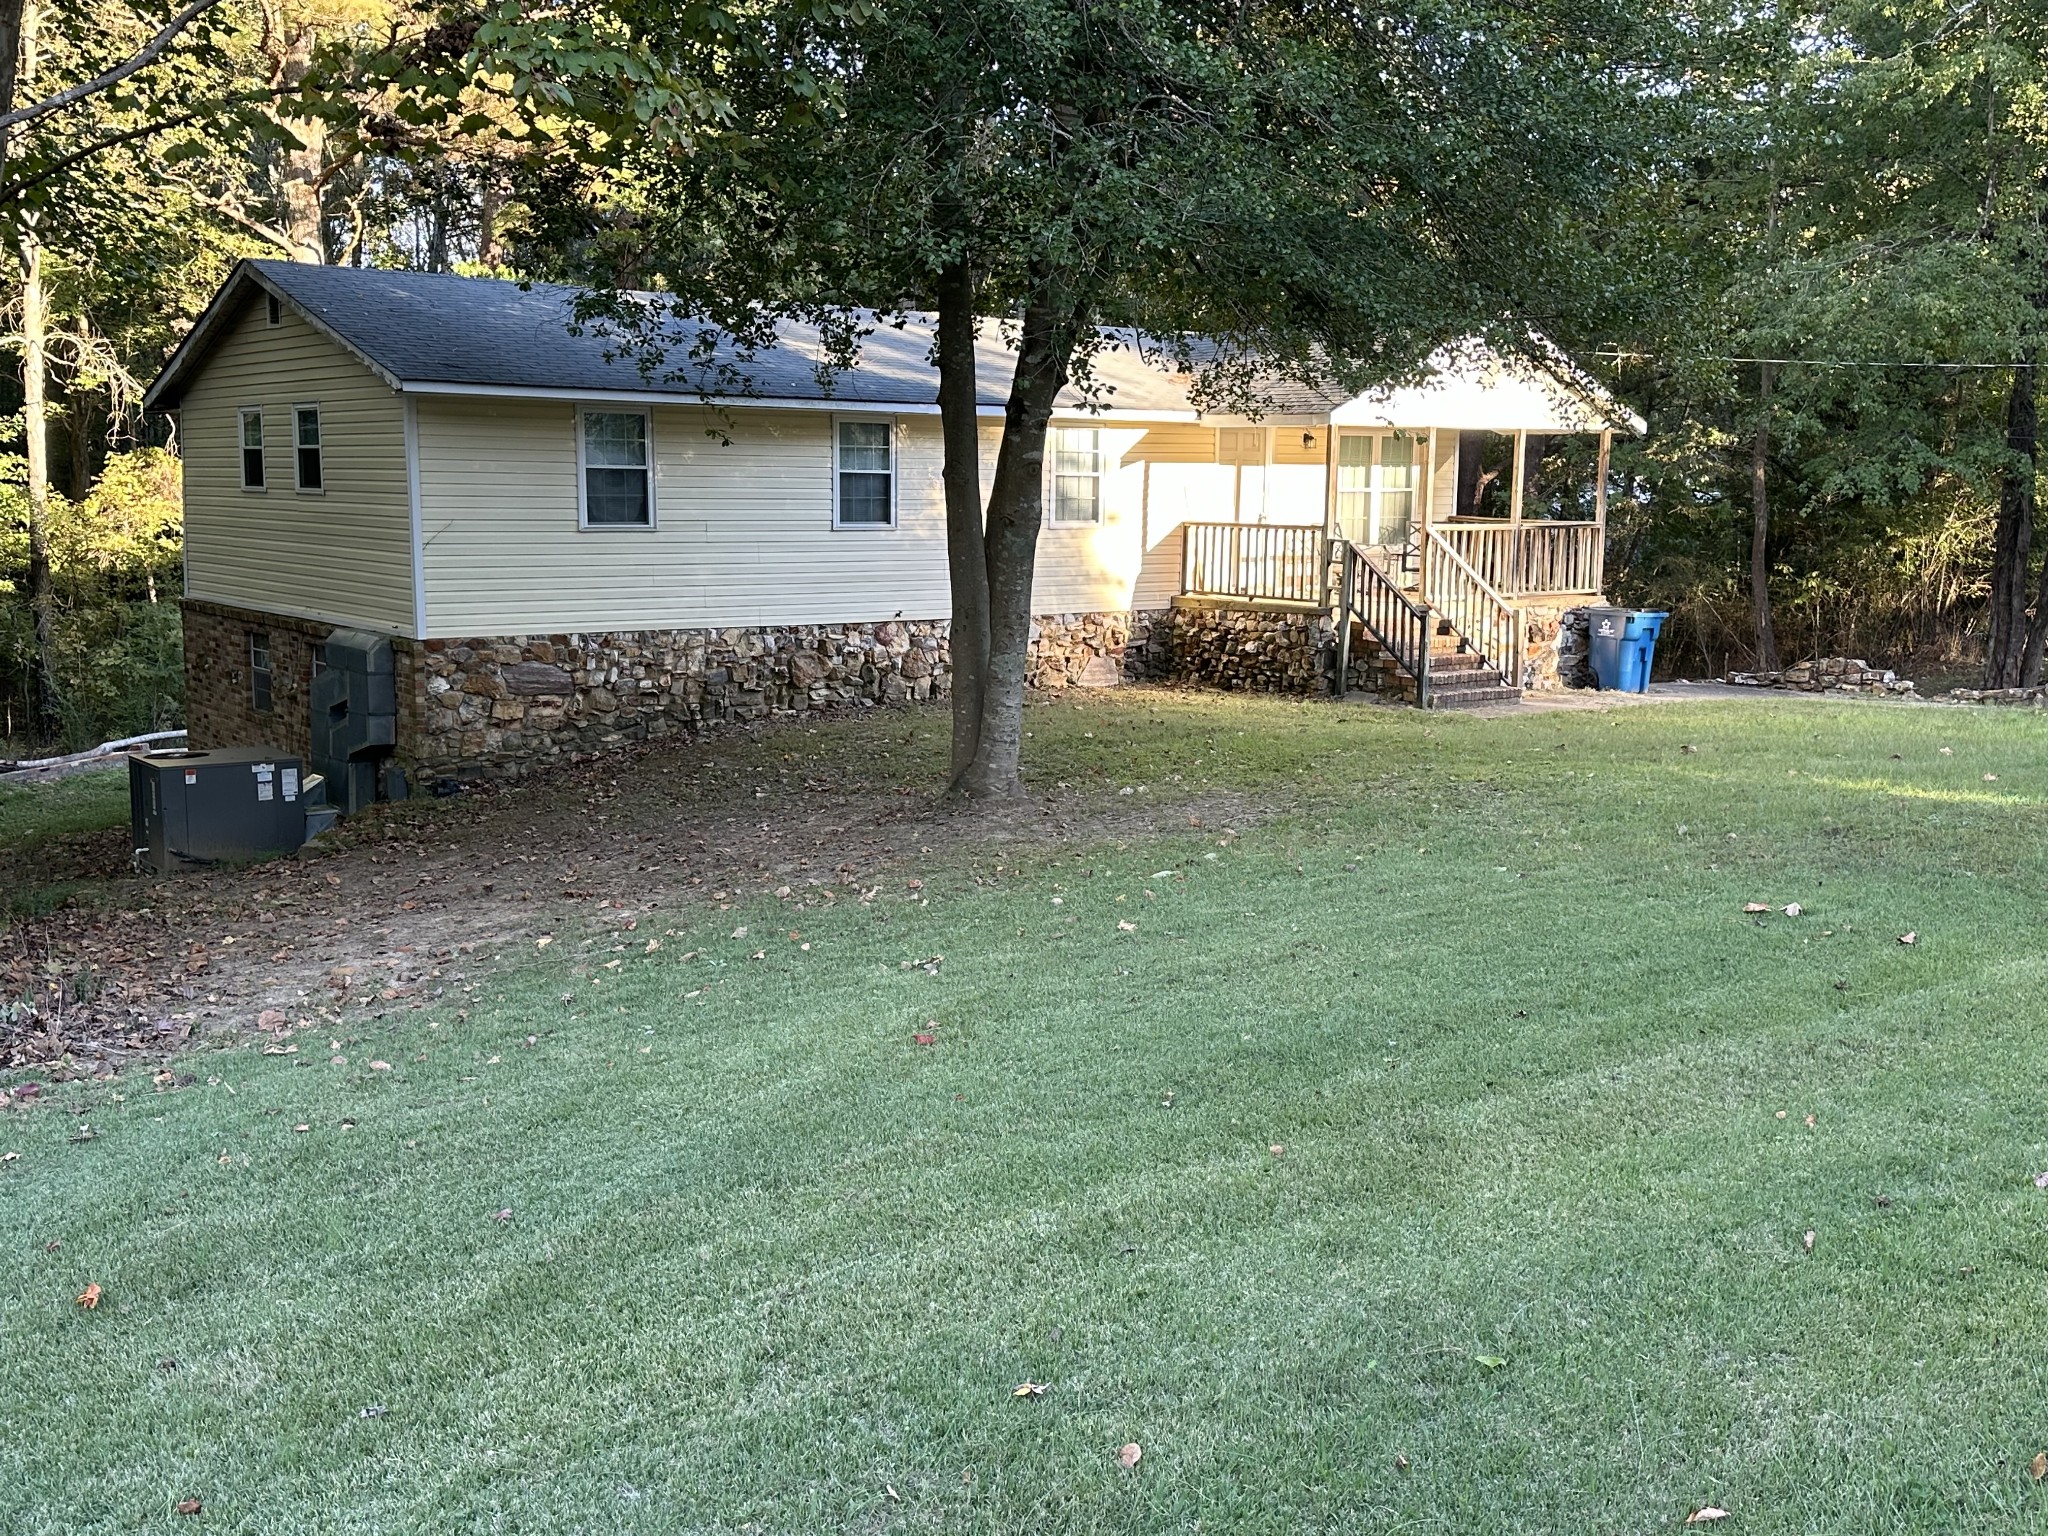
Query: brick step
{"points": [[1472, 698]]}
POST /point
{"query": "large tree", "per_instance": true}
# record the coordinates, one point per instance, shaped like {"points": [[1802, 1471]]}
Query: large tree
{"points": [[1261, 190]]}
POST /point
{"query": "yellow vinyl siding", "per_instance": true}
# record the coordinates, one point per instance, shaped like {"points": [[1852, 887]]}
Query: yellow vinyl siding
{"points": [[343, 556], [743, 529]]}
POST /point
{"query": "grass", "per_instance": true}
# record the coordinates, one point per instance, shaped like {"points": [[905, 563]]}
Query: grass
{"points": [[36, 817], [1529, 1257]]}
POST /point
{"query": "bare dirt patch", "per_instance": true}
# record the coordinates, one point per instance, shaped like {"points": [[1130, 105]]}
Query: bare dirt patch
{"points": [[412, 900]]}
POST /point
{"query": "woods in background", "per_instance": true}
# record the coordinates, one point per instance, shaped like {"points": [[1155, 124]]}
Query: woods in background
{"points": [[1810, 246]]}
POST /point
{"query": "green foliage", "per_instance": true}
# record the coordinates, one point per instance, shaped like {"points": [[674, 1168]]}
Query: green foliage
{"points": [[1860, 189], [115, 561]]}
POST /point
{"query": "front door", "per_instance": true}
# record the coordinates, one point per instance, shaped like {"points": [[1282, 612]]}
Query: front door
{"points": [[1377, 477]]}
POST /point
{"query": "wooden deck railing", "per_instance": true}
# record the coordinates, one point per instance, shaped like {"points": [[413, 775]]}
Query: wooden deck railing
{"points": [[1283, 562], [1525, 559], [1489, 625]]}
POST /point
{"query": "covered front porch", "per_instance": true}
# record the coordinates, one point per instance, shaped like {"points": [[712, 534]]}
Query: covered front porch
{"points": [[1457, 526]]}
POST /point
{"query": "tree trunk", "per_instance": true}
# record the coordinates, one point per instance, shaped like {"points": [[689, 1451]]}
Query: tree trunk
{"points": [[490, 208], [11, 29], [305, 164], [2009, 643], [35, 430], [2023, 440], [1760, 530], [966, 545], [1015, 510]]}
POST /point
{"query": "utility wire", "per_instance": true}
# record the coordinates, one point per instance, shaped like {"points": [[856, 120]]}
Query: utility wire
{"points": [[1801, 362]]}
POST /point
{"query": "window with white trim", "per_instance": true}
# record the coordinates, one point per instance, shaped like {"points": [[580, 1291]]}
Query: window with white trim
{"points": [[1077, 475], [252, 447], [615, 450], [306, 465], [863, 473]]}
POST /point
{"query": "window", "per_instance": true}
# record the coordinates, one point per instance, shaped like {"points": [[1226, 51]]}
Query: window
{"points": [[273, 309], [306, 446], [259, 671], [865, 475], [1077, 475], [1377, 476], [618, 475], [252, 448]]}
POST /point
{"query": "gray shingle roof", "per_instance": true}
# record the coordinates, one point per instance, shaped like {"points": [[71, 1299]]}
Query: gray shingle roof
{"points": [[426, 330], [433, 328]]}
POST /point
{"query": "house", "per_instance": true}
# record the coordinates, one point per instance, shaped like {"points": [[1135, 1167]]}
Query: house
{"points": [[564, 552]]}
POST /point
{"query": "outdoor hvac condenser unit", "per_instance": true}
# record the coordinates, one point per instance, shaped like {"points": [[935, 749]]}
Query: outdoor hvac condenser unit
{"points": [[189, 809]]}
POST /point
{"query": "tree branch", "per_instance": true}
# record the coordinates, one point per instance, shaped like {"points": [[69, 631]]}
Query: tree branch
{"points": [[141, 59]]}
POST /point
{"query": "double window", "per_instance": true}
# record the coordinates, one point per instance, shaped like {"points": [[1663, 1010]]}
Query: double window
{"points": [[863, 474], [1077, 475], [306, 448], [252, 447], [616, 454]]}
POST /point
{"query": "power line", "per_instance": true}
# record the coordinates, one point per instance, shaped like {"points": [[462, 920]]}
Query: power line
{"points": [[1613, 356]]}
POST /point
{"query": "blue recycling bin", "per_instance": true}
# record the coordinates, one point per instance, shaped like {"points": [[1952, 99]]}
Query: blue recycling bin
{"points": [[1623, 642]]}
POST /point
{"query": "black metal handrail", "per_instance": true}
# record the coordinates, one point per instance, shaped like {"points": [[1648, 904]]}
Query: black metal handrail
{"points": [[1397, 621], [1281, 562]]}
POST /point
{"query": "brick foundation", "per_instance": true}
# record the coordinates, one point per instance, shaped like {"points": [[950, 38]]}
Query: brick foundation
{"points": [[219, 711]]}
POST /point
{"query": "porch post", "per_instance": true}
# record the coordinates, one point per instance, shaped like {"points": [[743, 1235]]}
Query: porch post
{"points": [[1600, 514], [1514, 561], [1427, 503]]}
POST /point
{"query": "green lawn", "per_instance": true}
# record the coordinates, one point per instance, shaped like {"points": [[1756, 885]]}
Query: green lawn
{"points": [[1435, 1154]]}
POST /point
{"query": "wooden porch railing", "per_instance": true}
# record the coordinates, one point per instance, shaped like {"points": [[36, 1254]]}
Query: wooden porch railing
{"points": [[1402, 626], [1489, 625], [1525, 559], [1284, 562]]}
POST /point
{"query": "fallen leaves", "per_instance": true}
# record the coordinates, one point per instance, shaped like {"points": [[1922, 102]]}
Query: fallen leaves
{"points": [[1706, 1515], [1127, 1458], [2038, 1467], [1123, 927], [1030, 1389], [503, 1213], [924, 1037], [89, 1298], [1754, 907], [1793, 909], [1806, 1242], [1909, 938], [188, 1506]]}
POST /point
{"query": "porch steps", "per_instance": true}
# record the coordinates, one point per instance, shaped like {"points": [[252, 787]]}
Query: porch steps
{"points": [[1457, 678]]}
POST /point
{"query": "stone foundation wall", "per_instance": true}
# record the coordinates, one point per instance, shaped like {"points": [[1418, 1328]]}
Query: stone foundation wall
{"points": [[1555, 645], [492, 706]]}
